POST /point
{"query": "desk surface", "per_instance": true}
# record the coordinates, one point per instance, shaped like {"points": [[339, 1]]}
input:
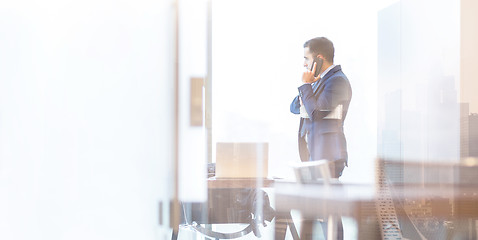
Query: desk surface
{"points": [[313, 199], [344, 199], [239, 182]]}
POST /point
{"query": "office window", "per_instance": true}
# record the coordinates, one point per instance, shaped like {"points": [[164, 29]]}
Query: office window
{"points": [[257, 62]]}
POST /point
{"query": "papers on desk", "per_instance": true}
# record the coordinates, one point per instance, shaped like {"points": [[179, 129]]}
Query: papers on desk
{"points": [[336, 113]]}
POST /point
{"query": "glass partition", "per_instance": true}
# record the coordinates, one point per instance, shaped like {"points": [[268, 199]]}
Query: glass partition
{"points": [[85, 127], [114, 115]]}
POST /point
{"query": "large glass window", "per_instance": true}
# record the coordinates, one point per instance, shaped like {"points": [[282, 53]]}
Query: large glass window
{"points": [[85, 127], [257, 62]]}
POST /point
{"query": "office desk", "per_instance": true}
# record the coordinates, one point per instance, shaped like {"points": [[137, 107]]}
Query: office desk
{"points": [[213, 182], [316, 201], [456, 205], [334, 199]]}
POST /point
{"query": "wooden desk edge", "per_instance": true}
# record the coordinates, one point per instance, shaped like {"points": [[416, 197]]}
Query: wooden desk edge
{"points": [[240, 182]]}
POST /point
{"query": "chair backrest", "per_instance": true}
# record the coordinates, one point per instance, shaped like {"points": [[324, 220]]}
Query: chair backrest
{"points": [[312, 172]]}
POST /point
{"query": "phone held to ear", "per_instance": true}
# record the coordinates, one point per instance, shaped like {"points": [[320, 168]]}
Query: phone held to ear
{"points": [[319, 62]]}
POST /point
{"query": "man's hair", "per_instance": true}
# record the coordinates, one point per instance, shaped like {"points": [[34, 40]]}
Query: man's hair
{"points": [[322, 46]]}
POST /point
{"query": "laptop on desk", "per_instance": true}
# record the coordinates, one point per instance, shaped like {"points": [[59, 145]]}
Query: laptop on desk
{"points": [[242, 159]]}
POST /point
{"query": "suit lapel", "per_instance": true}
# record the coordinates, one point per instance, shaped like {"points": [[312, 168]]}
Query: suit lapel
{"points": [[320, 84]]}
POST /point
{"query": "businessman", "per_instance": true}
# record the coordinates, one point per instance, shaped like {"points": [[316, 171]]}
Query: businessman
{"points": [[322, 103]]}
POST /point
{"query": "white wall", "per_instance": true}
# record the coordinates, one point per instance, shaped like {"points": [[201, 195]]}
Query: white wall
{"points": [[192, 63]]}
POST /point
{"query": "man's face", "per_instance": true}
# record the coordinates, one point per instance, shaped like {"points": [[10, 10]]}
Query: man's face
{"points": [[308, 59]]}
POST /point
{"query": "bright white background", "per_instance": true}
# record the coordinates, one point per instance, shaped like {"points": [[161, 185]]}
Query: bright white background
{"points": [[257, 67], [86, 101], [85, 126]]}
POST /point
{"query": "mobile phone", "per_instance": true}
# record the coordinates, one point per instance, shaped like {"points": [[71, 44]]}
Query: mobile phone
{"points": [[319, 62]]}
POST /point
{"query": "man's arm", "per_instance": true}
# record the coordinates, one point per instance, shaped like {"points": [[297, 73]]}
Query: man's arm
{"points": [[320, 106]]}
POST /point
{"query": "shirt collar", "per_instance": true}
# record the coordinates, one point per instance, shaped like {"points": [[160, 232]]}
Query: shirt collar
{"points": [[322, 75]]}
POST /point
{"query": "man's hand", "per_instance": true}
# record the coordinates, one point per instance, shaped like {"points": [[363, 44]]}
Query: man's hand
{"points": [[308, 76]]}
